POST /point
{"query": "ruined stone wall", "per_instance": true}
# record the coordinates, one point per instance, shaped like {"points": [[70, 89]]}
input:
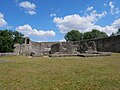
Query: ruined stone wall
{"points": [[110, 44], [36, 48], [42, 47], [65, 48]]}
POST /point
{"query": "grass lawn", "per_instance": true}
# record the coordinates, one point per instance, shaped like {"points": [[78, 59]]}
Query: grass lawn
{"points": [[60, 73]]}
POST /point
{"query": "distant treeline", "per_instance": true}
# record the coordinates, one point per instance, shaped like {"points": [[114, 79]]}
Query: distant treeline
{"points": [[76, 35]]}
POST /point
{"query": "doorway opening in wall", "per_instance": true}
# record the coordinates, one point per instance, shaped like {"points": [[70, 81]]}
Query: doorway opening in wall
{"points": [[27, 41]]}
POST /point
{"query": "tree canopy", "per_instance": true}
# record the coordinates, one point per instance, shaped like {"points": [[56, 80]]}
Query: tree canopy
{"points": [[8, 38], [94, 34], [116, 33], [18, 37], [75, 35]]}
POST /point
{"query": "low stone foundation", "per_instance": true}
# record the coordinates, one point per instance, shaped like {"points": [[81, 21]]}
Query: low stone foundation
{"points": [[94, 54], [82, 54], [62, 55], [8, 54]]}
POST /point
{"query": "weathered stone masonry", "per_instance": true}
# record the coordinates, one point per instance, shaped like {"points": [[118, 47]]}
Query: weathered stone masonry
{"points": [[110, 44]]}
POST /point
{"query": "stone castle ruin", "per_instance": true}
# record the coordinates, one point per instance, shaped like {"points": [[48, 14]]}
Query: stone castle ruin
{"points": [[95, 47]]}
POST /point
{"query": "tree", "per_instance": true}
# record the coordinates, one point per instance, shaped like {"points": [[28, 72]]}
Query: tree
{"points": [[6, 41], [94, 34], [74, 35], [18, 37], [113, 34], [8, 38], [87, 35], [118, 32]]}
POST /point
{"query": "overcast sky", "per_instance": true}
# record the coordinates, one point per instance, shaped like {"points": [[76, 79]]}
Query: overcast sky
{"points": [[50, 20]]}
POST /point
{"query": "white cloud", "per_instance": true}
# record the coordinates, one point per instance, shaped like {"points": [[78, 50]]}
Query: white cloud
{"points": [[31, 12], [2, 20], [117, 11], [89, 8], [116, 23], [105, 4], [82, 23], [52, 15], [87, 22], [111, 28], [62, 40], [113, 9], [29, 31], [41, 41], [29, 7]]}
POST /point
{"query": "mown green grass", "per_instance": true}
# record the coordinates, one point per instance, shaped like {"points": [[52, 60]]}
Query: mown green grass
{"points": [[60, 73]]}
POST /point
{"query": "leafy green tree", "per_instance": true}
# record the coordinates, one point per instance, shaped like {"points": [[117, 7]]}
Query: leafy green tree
{"points": [[94, 34], [8, 38], [74, 35], [118, 32], [88, 35], [6, 41], [113, 34], [18, 37]]}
